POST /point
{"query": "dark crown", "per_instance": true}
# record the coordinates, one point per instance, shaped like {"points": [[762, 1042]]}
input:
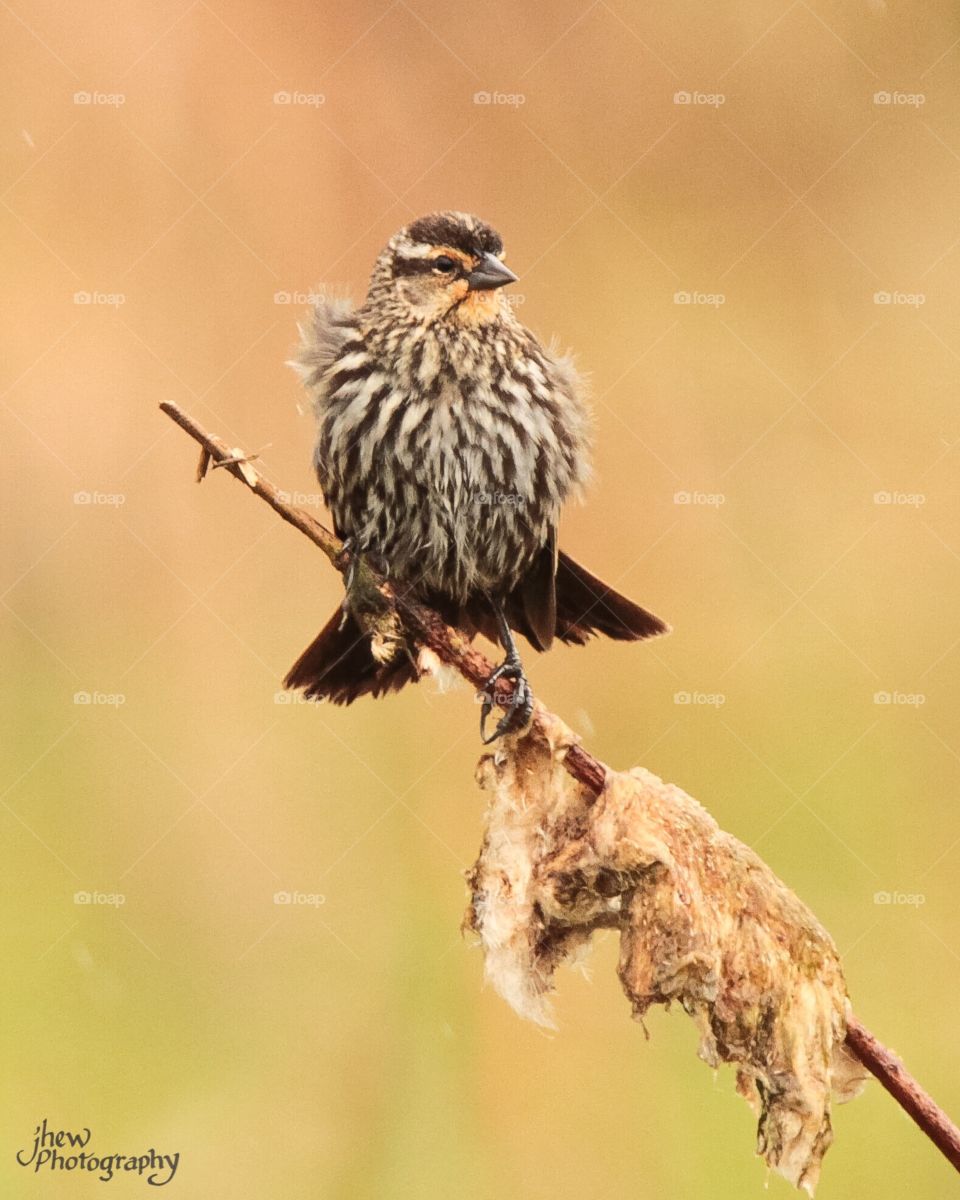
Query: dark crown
{"points": [[459, 230]]}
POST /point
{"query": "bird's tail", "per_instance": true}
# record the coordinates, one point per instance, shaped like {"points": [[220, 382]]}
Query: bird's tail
{"points": [[586, 606], [339, 665]]}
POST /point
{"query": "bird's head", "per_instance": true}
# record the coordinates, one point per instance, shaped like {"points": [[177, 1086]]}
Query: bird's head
{"points": [[444, 267]]}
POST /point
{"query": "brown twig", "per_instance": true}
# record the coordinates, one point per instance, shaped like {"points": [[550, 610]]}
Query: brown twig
{"points": [[427, 629], [911, 1097]]}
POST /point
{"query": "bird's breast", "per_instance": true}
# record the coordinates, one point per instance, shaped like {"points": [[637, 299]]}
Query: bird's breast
{"points": [[443, 476]]}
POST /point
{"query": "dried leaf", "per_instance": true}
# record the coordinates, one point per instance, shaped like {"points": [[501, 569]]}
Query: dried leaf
{"points": [[242, 462], [243, 466], [702, 921]]}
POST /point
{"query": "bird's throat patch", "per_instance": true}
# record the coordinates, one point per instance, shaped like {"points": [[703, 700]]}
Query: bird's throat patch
{"points": [[478, 308]]}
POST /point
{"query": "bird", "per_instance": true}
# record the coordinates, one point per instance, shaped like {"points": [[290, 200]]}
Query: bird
{"points": [[448, 441]]}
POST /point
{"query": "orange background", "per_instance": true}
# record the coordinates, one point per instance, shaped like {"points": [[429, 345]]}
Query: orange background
{"points": [[350, 1049]]}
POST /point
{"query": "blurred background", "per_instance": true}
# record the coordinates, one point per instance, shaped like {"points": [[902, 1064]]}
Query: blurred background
{"points": [[744, 219]]}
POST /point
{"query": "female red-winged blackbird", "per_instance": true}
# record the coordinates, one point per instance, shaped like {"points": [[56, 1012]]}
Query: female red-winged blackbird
{"points": [[448, 441]]}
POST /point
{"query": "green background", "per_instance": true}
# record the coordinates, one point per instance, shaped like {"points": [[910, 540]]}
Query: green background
{"points": [[351, 1050]]}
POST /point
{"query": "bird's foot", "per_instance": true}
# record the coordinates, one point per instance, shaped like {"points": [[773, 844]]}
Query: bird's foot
{"points": [[521, 702], [346, 558]]}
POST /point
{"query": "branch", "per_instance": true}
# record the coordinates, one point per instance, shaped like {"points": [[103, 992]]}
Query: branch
{"points": [[425, 628], [901, 1085]]}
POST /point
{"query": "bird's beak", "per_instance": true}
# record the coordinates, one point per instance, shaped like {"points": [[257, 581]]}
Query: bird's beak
{"points": [[491, 273]]}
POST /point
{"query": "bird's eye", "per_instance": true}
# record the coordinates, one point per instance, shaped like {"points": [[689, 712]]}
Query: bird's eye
{"points": [[444, 263]]}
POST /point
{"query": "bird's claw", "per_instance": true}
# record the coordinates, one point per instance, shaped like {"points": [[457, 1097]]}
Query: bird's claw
{"points": [[521, 702], [346, 557]]}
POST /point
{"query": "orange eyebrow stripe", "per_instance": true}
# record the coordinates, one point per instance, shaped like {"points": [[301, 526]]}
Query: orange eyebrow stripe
{"points": [[451, 252]]}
